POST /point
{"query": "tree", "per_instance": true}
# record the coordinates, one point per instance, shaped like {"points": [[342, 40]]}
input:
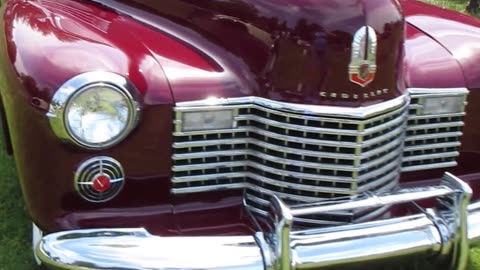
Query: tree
{"points": [[472, 6]]}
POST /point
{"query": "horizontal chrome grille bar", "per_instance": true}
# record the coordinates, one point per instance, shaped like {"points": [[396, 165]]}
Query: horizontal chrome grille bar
{"points": [[429, 166], [432, 156], [434, 146], [422, 117], [433, 136], [435, 126]]}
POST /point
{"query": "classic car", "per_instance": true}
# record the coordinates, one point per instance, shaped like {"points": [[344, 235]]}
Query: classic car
{"points": [[243, 134]]}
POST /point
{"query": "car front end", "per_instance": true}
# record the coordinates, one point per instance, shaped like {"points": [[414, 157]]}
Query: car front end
{"points": [[244, 134]]}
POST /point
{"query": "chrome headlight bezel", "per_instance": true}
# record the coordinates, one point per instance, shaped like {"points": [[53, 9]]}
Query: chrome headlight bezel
{"points": [[85, 82]]}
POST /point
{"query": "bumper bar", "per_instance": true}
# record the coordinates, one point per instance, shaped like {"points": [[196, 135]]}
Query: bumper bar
{"points": [[444, 233]]}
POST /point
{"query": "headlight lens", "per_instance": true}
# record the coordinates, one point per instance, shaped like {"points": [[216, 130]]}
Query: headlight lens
{"points": [[94, 110], [97, 115]]}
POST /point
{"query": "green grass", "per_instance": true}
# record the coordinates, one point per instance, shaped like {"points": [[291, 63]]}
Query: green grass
{"points": [[15, 252], [458, 5], [15, 240]]}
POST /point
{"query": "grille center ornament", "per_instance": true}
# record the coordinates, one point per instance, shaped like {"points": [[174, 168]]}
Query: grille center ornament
{"points": [[102, 183], [363, 64]]}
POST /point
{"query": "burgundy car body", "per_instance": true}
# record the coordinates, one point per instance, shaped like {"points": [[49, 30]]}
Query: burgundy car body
{"points": [[181, 50]]}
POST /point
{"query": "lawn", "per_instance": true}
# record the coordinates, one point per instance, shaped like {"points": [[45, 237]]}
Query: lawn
{"points": [[15, 252], [15, 244]]}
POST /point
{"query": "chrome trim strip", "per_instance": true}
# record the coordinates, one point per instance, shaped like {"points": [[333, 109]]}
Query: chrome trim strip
{"points": [[429, 116], [430, 166], [431, 156], [420, 92], [333, 111], [431, 146], [213, 165], [434, 126], [207, 177], [212, 188], [209, 132], [415, 106], [83, 82], [433, 136]]}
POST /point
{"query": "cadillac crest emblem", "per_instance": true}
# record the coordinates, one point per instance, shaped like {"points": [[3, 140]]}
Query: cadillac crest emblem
{"points": [[363, 64]]}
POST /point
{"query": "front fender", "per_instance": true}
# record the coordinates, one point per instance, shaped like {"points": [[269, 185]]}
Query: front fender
{"points": [[458, 33], [44, 44]]}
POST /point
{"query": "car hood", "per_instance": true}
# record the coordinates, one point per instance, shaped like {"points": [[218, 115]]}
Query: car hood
{"points": [[293, 51]]}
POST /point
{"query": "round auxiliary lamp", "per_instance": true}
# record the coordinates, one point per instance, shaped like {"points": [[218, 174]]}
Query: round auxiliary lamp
{"points": [[99, 179]]}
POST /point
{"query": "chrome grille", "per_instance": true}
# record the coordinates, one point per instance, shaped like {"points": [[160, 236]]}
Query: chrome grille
{"points": [[432, 141], [298, 154]]}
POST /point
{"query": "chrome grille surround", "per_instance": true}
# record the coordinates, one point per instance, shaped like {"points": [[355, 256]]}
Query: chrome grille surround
{"points": [[432, 141], [300, 153]]}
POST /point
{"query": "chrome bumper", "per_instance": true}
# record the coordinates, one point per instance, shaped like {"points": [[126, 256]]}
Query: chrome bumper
{"points": [[443, 234]]}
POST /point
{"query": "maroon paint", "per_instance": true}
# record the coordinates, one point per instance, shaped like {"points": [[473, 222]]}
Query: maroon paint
{"points": [[424, 57], [220, 48], [458, 33], [280, 49]]}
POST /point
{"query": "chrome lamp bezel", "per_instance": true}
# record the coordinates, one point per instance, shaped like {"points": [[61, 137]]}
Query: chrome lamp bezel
{"points": [[81, 83]]}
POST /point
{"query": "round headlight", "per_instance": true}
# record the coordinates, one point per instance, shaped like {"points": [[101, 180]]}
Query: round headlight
{"points": [[94, 110], [97, 115]]}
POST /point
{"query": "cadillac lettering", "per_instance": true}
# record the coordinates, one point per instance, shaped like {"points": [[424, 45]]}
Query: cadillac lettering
{"points": [[244, 134], [373, 93]]}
